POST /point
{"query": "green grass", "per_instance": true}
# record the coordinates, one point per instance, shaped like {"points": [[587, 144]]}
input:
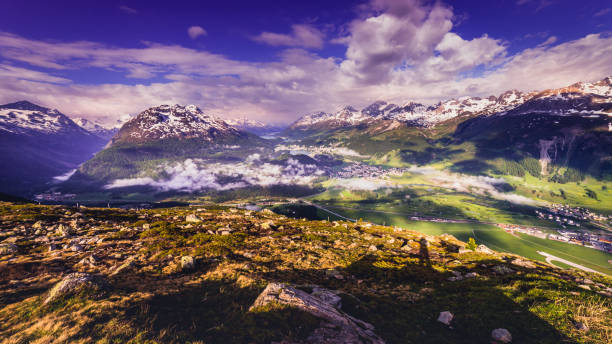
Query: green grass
{"points": [[492, 236]]}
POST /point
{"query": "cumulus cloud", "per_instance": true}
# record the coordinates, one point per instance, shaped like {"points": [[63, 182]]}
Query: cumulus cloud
{"points": [[301, 35], [195, 175], [396, 50], [196, 31]]}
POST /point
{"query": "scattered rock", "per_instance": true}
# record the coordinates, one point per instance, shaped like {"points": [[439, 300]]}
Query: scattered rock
{"points": [[187, 263], [483, 249], [372, 248], [338, 327], [8, 248], [192, 218], [267, 225], [75, 283], [501, 335], [502, 269], [471, 275], [580, 326], [76, 248], [445, 317], [523, 263], [128, 265], [65, 230]]}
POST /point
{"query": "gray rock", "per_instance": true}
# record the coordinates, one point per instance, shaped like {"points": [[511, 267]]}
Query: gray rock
{"points": [[75, 283], [8, 248], [501, 335], [328, 296], [445, 317], [502, 269], [76, 248], [338, 327]]}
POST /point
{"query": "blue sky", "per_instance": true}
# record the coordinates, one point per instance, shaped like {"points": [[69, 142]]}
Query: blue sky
{"points": [[277, 60]]}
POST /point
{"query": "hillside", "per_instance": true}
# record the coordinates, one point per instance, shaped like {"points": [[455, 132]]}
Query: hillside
{"points": [[37, 144], [223, 275]]}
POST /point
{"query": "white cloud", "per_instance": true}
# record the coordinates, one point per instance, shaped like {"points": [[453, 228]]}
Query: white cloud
{"points": [[196, 31], [127, 9], [550, 40], [194, 175], [398, 51], [301, 35]]}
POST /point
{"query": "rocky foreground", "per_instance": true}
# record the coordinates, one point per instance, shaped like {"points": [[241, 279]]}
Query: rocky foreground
{"points": [[221, 275]]}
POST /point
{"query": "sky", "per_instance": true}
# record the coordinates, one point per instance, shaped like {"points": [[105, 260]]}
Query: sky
{"points": [[275, 61]]}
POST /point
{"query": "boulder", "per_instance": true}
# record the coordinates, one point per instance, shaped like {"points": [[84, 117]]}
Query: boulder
{"points": [[484, 249], [337, 327], [267, 225], [187, 263], [75, 283], [501, 335], [445, 317], [65, 230], [192, 218], [8, 248]]}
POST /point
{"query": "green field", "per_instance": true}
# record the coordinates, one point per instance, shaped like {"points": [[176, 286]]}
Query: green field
{"points": [[488, 235]]}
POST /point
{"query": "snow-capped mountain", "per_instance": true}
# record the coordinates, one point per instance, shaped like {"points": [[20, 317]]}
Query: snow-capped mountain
{"points": [[253, 126], [25, 118], [37, 144], [174, 122], [580, 98], [96, 128]]}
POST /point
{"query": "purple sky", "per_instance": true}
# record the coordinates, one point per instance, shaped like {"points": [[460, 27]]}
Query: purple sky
{"points": [[277, 60]]}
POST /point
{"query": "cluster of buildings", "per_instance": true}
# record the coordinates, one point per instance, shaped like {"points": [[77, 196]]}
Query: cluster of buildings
{"points": [[557, 218], [360, 170], [596, 241], [578, 213]]}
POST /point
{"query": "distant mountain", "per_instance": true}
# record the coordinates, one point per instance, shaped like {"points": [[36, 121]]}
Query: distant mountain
{"points": [[580, 97], [96, 129], [37, 143], [175, 122], [255, 127]]}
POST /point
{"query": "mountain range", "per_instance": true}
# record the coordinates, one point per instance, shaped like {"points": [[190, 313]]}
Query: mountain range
{"points": [[37, 144], [574, 99], [565, 129]]}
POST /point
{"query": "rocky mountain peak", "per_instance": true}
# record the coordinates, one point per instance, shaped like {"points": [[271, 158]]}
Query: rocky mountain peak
{"points": [[173, 122]]}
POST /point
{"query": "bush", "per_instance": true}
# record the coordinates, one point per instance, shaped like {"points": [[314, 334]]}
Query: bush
{"points": [[471, 244]]}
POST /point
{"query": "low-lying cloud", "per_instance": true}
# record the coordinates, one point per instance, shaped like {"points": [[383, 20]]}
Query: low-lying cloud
{"points": [[195, 175]]}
